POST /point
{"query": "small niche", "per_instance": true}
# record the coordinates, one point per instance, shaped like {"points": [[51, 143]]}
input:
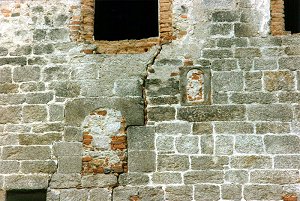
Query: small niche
{"points": [[26, 195]]}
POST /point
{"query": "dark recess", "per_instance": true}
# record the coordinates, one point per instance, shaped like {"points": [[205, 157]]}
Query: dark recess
{"points": [[292, 15], [26, 195], [125, 19]]}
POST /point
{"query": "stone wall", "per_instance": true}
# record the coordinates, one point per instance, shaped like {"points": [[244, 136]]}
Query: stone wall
{"points": [[212, 115]]}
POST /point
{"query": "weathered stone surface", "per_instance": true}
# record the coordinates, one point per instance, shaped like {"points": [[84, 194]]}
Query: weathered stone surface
{"points": [[99, 180], [141, 161], [217, 53], [39, 98], [247, 52], [289, 97], [279, 80], [47, 167], [249, 144], [74, 194], [143, 193], [33, 113], [265, 42], [65, 180], [231, 42], [271, 127], [224, 145], [11, 99], [140, 138], [220, 97], [22, 50], [157, 87], [287, 162], [37, 61], [251, 162], [6, 74], [26, 73], [179, 193], [255, 97], [59, 35], [11, 114], [204, 176], [272, 112], [263, 192], [72, 134], [265, 64], [47, 127], [212, 113], [16, 128], [56, 112], [225, 16], [207, 144], [283, 144], [234, 127], [163, 100], [2, 194], [14, 61], [167, 178], [134, 179], [274, 176], [187, 144], [9, 167], [69, 164], [100, 194], [231, 192], [39, 139], [253, 81], [165, 144], [172, 163], [227, 81], [67, 149], [174, 128], [43, 49], [221, 29], [127, 87], [236, 176], [161, 113], [207, 192], [202, 128], [3, 51], [32, 86], [65, 88], [244, 30], [26, 182], [26, 153], [224, 65], [289, 63], [209, 162]]}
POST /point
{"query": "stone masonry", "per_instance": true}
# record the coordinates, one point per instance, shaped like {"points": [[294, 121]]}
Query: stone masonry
{"points": [[210, 114]]}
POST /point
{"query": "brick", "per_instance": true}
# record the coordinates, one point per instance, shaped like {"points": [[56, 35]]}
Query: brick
{"points": [[263, 192], [167, 178], [11, 114], [249, 144], [187, 144], [172, 163], [211, 113], [100, 194], [272, 112], [65, 180], [14, 182], [207, 192], [99, 180], [204, 176], [209, 162], [280, 80], [47, 167], [231, 192], [271, 127], [251, 162], [179, 193], [141, 161], [274, 176], [207, 144], [161, 113], [227, 81], [224, 145], [141, 138], [236, 176], [283, 144], [26, 153]]}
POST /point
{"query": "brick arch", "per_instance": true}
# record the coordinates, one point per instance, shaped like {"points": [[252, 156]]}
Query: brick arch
{"points": [[104, 142]]}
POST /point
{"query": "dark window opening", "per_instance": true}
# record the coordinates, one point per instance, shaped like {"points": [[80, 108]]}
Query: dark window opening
{"points": [[292, 15], [26, 195], [125, 19]]}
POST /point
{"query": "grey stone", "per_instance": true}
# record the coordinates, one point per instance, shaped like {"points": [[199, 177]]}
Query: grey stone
{"points": [[224, 65], [265, 64], [26, 73], [33, 113], [272, 112], [231, 192], [161, 113], [99, 180], [223, 29], [289, 63], [179, 193], [246, 63], [204, 176], [69, 164], [7, 88], [58, 72], [251, 162], [287, 162], [245, 30], [227, 81], [53, 195], [39, 139], [39, 98], [283, 144], [59, 35], [230, 42], [274, 176], [47, 167], [249, 144], [141, 161], [164, 100], [14, 61], [74, 194], [26, 153], [247, 52], [6, 74], [37, 61], [207, 144], [11, 114], [273, 52], [279, 80], [134, 179], [157, 87], [3, 51], [224, 145], [167, 178], [292, 50], [265, 42], [234, 127], [100, 194], [72, 134], [22, 50], [9, 167], [65, 88], [140, 138], [218, 4], [56, 112], [263, 192], [187, 144], [32, 86], [174, 128], [16, 128], [212, 113], [209, 162], [96, 88], [202, 128], [128, 87], [220, 97], [254, 97], [165, 144], [207, 192], [143, 193], [236, 176], [11, 99], [65, 180], [14, 182], [272, 127], [67, 148], [253, 81], [225, 16], [217, 53], [172, 163], [39, 34], [47, 127], [289, 97], [43, 49]]}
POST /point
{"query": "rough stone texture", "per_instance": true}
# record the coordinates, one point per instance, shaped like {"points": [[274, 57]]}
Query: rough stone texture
{"points": [[74, 194], [178, 193], [207, 192], [280, 80], [263, 192], [282, 144], [141, 161], [38, 167], [227, 81], [142, 193], [251, 162], [26, 153], [204, 176], [231, 192], [100, 194], [172, 163], [141, 138], [271, 112], [249, 144], [99, 180], [65, 180], [26, 182], [167, 178], [274, 176], [208, 162], [187, 144]]}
